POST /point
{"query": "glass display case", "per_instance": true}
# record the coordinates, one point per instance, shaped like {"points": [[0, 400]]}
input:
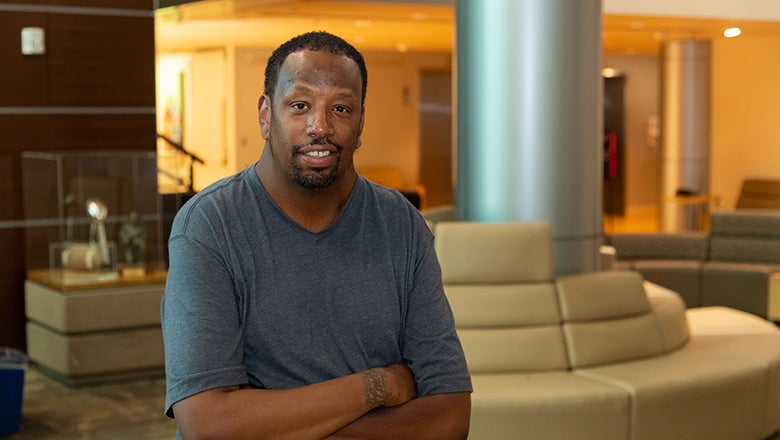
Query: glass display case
{"points": [[92, 215]]}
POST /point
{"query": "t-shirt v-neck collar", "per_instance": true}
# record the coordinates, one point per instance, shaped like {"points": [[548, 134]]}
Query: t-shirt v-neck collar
{"points": [[254, 180]]}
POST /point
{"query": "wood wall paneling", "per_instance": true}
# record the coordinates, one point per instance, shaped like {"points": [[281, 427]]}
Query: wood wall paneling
{"points": [[101, 61], [12, 263], [166, 3], [114, 4], [10, 186], [78, 132], [109, 4], [26, 2], [12, 274]]}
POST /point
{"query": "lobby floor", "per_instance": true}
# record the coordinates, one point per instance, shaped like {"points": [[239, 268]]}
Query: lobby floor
{"points": [[642, 219], [114, 411], [129, 410]]}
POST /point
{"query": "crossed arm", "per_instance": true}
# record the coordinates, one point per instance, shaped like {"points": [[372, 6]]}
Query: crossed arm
{"points": [[374, 404]]}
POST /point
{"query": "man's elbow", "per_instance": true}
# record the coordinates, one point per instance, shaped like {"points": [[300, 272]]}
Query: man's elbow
{"points": [[463, 432], [207, 429], [203, 416], [458, 417], [198, 429]]}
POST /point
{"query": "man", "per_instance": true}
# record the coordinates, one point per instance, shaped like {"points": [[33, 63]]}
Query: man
{"points": [[303, 301]]}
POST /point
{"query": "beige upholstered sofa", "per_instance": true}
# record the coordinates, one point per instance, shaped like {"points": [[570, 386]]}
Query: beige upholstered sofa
{"points": [[603, 355]]}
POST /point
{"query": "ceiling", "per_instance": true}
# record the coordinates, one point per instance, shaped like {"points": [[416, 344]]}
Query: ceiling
{"points": [[405, 26]]}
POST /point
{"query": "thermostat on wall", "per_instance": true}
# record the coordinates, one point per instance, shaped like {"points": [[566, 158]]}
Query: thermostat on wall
{"points": [[33, 41]]}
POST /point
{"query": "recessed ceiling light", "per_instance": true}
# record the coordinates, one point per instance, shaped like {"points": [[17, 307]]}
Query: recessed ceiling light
{"points": [[732, 32], [609, 72]]}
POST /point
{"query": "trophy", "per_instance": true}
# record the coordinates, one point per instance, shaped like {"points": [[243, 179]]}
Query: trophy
{"points": [[97, 211], [91, 261]]}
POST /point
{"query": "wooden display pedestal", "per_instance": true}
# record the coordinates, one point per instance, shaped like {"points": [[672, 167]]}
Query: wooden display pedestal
{"points": [[94, 331]]}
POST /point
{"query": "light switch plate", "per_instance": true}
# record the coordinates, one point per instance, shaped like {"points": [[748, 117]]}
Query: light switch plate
{"points": [[33, 41]]}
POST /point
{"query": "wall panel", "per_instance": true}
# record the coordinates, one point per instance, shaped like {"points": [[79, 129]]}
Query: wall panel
{"points": [[11, 298], [117, 4], [101, 61], [77, 132]]}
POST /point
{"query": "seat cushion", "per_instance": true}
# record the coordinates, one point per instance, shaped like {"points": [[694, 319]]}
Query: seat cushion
{"points": [[719, 332], [503, 305], [607, 318], [509, 350], [743, 286], [678, 246], [547, 406], [498, 280], [601, 295], [474, 252], [682, 276], [671, 314], [508, 327], [685, 396]]}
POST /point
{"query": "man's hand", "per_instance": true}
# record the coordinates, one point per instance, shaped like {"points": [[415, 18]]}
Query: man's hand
{"points": [[389, 386]]}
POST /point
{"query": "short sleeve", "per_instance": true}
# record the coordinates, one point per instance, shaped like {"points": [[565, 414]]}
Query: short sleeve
{"points": [[431, 345], [200, 322]]}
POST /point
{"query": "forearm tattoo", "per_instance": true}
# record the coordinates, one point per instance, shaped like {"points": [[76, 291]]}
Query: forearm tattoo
{"points": [[376, 394]]}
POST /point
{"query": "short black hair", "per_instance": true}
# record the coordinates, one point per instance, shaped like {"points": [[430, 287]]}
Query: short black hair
{"points": [[316, 41]]}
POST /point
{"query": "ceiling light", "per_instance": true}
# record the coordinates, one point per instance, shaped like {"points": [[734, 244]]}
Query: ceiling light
{"points": [[609, 72], [732, 32]]}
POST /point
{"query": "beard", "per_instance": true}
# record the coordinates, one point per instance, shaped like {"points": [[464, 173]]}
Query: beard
{"points": [[307, 178], [312, 179]]}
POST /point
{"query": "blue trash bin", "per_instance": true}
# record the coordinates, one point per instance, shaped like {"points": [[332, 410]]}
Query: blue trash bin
{"points": [[12, 365]]}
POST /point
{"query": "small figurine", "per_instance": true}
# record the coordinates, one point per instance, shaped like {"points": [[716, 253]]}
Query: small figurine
{"points": [[132, 236]]}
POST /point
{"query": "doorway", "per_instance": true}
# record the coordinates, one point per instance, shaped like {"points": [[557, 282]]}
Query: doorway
{"points": [[436, 137], [613, 146]]}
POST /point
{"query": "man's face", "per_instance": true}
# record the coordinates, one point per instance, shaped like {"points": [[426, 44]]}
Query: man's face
{"points": [[314, 120]]}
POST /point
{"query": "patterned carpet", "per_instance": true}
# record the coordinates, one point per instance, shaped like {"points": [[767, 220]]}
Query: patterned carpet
{"points": [[131, 410]]}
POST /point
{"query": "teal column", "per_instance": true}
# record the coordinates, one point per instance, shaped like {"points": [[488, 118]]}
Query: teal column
{"points": [[529, 119]]}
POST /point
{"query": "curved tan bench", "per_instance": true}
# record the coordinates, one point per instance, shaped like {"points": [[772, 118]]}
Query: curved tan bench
{"points": [[603, 355]]}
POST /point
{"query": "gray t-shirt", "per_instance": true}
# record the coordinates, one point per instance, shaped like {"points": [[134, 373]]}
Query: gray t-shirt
{"points": [[252, 297]]}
